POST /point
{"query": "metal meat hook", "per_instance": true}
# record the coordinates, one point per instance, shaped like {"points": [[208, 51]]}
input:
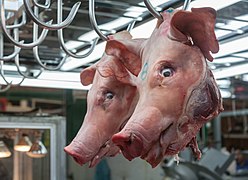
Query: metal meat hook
{"points": [[9, 84], [18, 25], [11, 56], [35, 49], [157, 14], [93, 20], [37, 58], [152, 10], [62, 42], [19, 44], [186, 4], [58, 26], [94, 23], [44, 6], [17, 63], [69, 53]]}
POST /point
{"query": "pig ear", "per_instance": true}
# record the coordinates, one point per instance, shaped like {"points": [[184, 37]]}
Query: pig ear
{"points": [[87, 75], [115, 68], [128, 52], [199, 26]]}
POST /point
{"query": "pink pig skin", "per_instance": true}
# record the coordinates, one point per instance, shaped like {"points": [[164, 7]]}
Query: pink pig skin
{"points": [[178, 92], [110, 102]]}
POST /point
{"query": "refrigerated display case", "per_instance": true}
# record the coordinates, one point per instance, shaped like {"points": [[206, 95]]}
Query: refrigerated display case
{"points": [[43, 157]]}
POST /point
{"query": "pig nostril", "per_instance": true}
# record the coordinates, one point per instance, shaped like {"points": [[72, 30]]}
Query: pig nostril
{"points": [[119, 138], [130, 144]]}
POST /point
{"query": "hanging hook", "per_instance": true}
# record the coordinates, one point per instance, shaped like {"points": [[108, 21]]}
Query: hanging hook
{"points": [[23, 21], [11, 56], [131, 26], [8, 84], [23, 74], [1, 70], [186, 4], [45, 6], [69, 53], [37, 58], [44, 25], [153, 11], [17, 63], [35, 49], [157, 14], [93, 20], [19, 44], [62, 42]]}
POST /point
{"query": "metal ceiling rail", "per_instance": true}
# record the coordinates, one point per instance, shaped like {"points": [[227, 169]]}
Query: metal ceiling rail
{"points": [[32, 10]]}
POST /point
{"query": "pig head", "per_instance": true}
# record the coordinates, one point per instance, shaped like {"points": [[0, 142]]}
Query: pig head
{"points": [[178, 92], [110, 102]]}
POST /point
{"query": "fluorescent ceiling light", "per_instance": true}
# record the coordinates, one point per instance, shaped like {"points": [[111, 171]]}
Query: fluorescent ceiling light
{"points": [[245, 77], [232, 47], [223, 83], [72, 63], [60, 76], [244, 54], [7, 67], [60, 80], [228, 60], [145, 30], [220, 33], [216, 4], [231, 71], [225, 93]]}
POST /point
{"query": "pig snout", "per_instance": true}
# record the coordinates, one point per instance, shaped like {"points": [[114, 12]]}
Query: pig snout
{"points": [[77, 156], [130, 144], [140, 132]]}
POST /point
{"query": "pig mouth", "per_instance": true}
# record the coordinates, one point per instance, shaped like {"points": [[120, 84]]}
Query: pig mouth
{"points": [[107, 149]]}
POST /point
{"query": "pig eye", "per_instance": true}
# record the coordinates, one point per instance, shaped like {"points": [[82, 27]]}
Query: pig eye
{"points": [[109, 95], [166, 72]]}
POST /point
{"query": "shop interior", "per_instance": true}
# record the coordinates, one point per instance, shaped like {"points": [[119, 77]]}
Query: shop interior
{"points": [[45, 44]]}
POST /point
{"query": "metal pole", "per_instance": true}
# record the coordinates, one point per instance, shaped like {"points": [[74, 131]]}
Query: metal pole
{"points": [[217, 132]]}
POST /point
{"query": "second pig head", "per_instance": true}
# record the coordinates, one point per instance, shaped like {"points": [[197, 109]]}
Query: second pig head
{"points": [[178, 93], [110, 102]]}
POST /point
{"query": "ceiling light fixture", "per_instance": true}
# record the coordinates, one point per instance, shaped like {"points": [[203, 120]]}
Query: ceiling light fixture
{"points": [[231, 71], [50, 81], [38, 149], [234, 46], [24, 144], [4, 151]]}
